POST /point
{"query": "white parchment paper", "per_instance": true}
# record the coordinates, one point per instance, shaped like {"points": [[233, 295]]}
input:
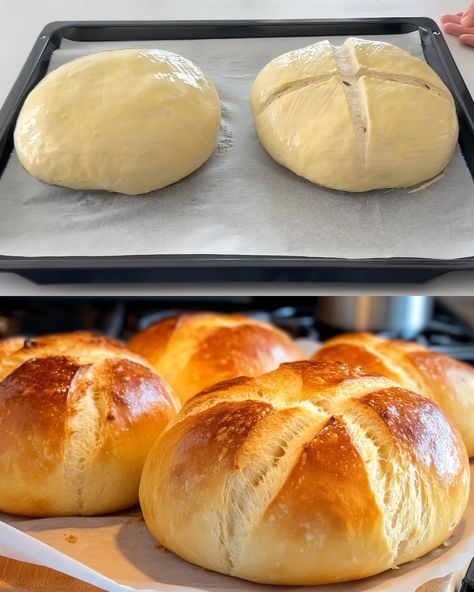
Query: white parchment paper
{"points": [[241, 202]]}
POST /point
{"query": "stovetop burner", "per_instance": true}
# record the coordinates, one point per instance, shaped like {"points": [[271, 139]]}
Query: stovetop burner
{"points": [[447, 333]]}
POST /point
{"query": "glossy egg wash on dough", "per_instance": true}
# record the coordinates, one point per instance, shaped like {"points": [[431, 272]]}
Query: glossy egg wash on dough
{"points": [[127, 121], [361, 116]]}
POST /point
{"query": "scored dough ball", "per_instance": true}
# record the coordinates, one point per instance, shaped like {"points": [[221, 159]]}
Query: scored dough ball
{"points": [[78, 415], [128, 121], [311, 474], [360, 116], [195, 350]]}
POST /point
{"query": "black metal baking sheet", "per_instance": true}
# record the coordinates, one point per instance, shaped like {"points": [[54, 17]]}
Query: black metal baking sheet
{"points": [[212, 268]]}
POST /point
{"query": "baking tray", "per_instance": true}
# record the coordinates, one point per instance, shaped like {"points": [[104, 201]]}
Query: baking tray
{"points": [[233, 268]]}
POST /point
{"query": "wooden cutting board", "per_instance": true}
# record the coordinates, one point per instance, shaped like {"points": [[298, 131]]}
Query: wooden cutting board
{"points": [[25, 577]]}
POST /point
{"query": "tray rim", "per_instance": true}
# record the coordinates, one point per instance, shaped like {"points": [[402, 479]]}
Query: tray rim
{"points": [[50, 38]]}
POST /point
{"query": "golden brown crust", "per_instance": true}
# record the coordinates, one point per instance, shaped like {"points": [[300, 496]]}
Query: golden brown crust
{"points": [[9, 345], [34, 409], [317, 377], [422, 429], [357, 355], [194, 351], [316, 472], [78, 414], [151, 343], [448, 382], [328, 491]]}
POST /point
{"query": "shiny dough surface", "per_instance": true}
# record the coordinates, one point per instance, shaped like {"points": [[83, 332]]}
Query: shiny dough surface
{"points": [[364, 115], [127, 121]]}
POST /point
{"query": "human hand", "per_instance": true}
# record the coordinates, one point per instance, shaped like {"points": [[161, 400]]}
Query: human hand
{"points": [[461, 24]]}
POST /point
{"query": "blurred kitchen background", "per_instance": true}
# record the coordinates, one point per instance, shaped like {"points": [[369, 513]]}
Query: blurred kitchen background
{"points": [[444, 324]]}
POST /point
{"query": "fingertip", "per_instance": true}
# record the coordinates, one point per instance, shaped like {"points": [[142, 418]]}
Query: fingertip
{"points": [[453, 29], [450, 18], [467, 20], [467, 40]]}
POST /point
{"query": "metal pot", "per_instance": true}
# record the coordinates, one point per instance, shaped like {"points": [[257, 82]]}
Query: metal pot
{"points": [[398, 316]]}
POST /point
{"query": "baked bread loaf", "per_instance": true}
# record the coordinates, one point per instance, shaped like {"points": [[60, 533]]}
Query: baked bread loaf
{"points": [[78, 415], [193, 351], [360, 116], [311, 474], [128, 121], [444, 380]]}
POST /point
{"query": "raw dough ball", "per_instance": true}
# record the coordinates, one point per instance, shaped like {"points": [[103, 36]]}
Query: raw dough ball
{"points": [[362, 116], [130, 121]]}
